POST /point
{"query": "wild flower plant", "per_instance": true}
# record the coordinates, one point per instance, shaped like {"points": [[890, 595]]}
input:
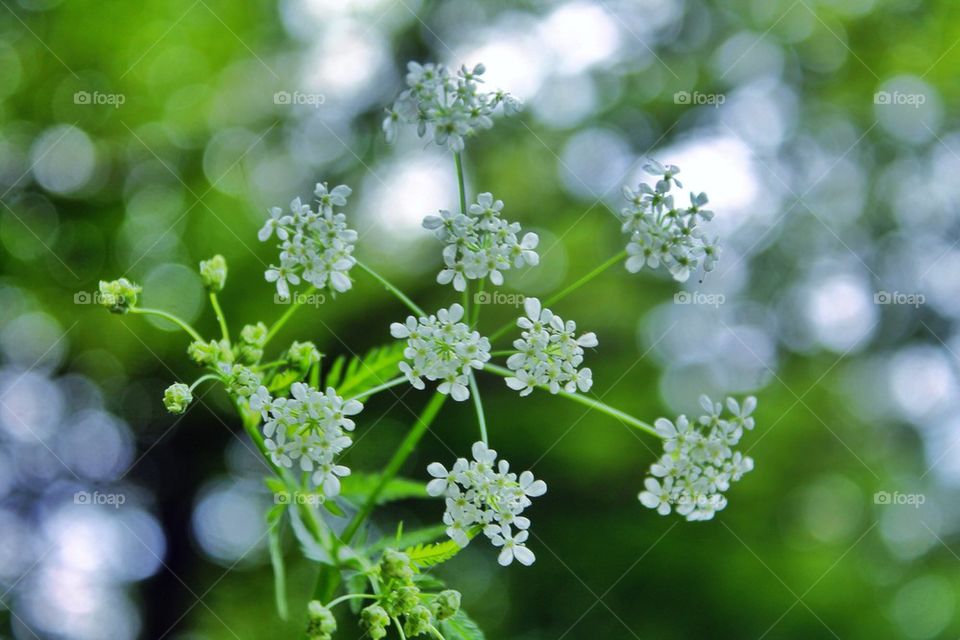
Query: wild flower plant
{"points": [[301, 412]]}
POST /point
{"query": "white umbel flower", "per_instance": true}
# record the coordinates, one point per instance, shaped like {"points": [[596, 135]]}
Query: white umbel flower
{"points": [[480, 244], [315, 246], [484, 495], [664, 234], [699, 463], [448, 106], [440, 347], [310, 429], [550, 353]]}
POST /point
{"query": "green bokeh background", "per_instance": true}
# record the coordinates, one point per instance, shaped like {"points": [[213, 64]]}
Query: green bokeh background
{"points": [[187, 165]]}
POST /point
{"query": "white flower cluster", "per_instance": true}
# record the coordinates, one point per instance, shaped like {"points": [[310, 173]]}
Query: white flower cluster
{"points": [[698, 463], [442, 348], [314, 245], [480, 243], [483, 494], [310, 427], [449, 106], [550, 353], [661, 233]]}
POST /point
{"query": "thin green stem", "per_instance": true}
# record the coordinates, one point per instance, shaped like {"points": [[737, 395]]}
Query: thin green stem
{"points": [[463, 191], [476, 308], [350, 596], [478, 404], [383, 387], [392, 289], [396, 622], [400, 456], [269, 365], [221, 319], [295, 305], [505, 352], [567, 291], [204, 378], [626, 418], [168, 316]]}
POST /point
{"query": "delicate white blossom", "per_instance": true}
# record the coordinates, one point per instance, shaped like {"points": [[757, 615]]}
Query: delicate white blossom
{"points": [[699, 463], [480, 244], [440, 347], [664, 234], [308, 428], [315, 246], [484, 495], [448, 106], [550, 353]]}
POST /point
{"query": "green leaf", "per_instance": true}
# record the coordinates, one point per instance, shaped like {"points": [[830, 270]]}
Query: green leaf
{"points": [[418, 536], [365, 372], [423, 556], [275, 524], [461, 627], [357, 486], [334, 508], [357, 583]]}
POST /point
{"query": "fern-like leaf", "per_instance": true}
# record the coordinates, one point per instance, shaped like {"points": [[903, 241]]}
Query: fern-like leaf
{"points": [[424, 556], [360, 373], [461, 627]]}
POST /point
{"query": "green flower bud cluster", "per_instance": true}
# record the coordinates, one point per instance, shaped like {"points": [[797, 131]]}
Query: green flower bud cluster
{"points": [[252, 339], [401, 598], [320, 621], [177, 398], [210, 354], [242, 381], [213, 272], [303, 355], [119, 295]]}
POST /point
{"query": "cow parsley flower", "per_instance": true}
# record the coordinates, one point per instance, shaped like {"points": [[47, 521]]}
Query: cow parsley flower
{"points": [[664, 234], [480, 244], [440, 347], [447, 105], [699, 463], [315, 246], [550, 353], [483, 494], [309, 427]]}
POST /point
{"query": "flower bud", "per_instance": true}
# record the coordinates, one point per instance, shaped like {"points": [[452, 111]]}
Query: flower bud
{"points": [[209, 353], [303, 355], [396, 565], [374, 620], [446, 604], [242, 381], [320, 621], [417, 622], [177, 397], [213, 272], [118, 295]]}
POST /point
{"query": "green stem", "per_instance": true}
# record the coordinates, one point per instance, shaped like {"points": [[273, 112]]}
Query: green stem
{"points": [[392, 289], [475, 392], [396, 621], [626, 418], [220, 317], [268, 365], [393, 466], [567, 291], [295, 305], [463, 191], [476, 308], [350, 596], [383, 387], [168, 316], [209, 376]]}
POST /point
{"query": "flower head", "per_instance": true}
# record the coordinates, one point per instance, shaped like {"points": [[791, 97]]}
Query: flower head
{"points": [[446, 105], [177, 397], [315, 246], [440, 347], [482, 494], [550, 353], [309, 428], [699, 463], [480, 243], [118, 295], [662, 233], [213, 272]]}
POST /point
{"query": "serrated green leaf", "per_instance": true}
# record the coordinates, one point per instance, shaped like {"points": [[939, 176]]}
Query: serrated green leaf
{"points": [[412, 538], [275, 524], [367, 371], [336, 372], [357, 486], [423, 556], [461, 627]]}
